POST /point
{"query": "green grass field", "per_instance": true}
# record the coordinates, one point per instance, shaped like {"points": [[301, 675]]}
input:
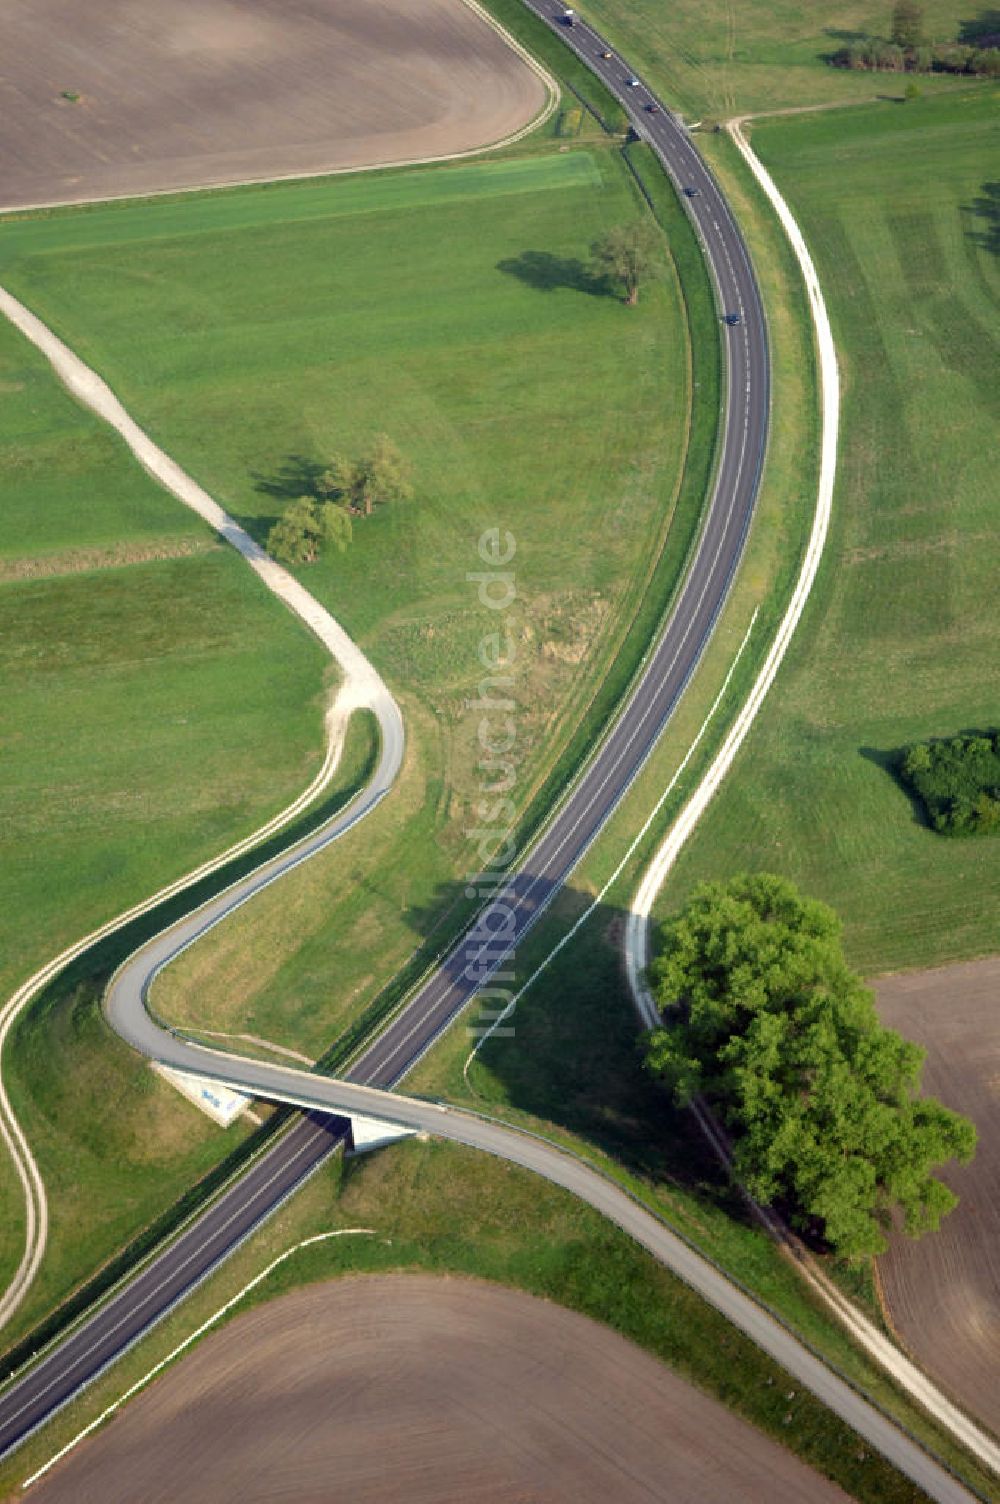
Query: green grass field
{"points": [[256, 331], [380, 899], [157, 706], [899, 642], [71, 497], [714, 58]]}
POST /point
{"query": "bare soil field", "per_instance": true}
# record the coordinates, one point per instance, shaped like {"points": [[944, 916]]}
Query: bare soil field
{"points": [[943, 1292], [429, 1391], [138, 96]]}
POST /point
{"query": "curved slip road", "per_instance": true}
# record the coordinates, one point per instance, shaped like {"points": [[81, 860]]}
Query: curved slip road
{"points": [[169, 1276]]}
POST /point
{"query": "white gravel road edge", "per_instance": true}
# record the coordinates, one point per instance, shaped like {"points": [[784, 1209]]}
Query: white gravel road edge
{"points": [[637, 926], [206, 1326]]}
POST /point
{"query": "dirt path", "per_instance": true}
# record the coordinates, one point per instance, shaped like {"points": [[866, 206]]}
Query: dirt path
{"points": [[943, 1292], [123, 97], [429, 1391]]}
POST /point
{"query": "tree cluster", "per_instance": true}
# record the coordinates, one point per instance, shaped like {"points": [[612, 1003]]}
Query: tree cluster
{"points": [[958, 783], [762, 1019], [345, 489], [907, 50]]}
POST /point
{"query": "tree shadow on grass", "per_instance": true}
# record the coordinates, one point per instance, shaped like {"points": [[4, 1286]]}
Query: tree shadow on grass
{"points": [[890, 760], [297, 475], [571, 1054], [982, 30], [842, 39], [546, 272], [986, 209]]}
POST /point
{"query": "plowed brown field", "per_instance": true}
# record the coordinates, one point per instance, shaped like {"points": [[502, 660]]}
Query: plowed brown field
{"points": [[184, 93], [425, 1390], [943, 1292]]}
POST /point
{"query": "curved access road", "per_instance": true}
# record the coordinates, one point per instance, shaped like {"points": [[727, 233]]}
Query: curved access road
{"points": [[360, 687]]}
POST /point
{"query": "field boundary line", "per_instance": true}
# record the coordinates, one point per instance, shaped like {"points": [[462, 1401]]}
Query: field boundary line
{"points": [[206, 1325], [636, 939]]}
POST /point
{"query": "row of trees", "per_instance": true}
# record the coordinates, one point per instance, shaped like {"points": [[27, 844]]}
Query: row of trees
{"points": [[345, 489], [763, 1020], [908, 50], [958, 783]]}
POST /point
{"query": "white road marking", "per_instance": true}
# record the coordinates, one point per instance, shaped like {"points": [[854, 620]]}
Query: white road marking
{"points": [[216, 1316]]}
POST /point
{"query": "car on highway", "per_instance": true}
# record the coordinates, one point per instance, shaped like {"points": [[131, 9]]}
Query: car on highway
{"points": [[606, 55], [654, 109], [731, 318], [569, 16], [633, 83], [692, 192]]}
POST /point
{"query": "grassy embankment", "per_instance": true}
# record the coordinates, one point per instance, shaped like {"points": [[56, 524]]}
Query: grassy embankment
{"points": [[899, 643], [157, 706], [439, 1208], [508, 393]]}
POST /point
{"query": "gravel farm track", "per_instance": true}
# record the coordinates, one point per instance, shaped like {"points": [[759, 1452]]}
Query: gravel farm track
{"points": [[943, 1292], [419, 1389], [203, 92]]}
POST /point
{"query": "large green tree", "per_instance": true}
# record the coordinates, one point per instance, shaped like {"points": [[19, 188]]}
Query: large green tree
{"points": [[304, 527], [907, 23], [296, 536], [379, 476], [762, 1017], [628, 254]]}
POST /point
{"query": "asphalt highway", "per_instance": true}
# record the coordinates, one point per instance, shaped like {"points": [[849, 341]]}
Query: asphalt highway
{"points": [[611, 770], [92, 1346]]}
